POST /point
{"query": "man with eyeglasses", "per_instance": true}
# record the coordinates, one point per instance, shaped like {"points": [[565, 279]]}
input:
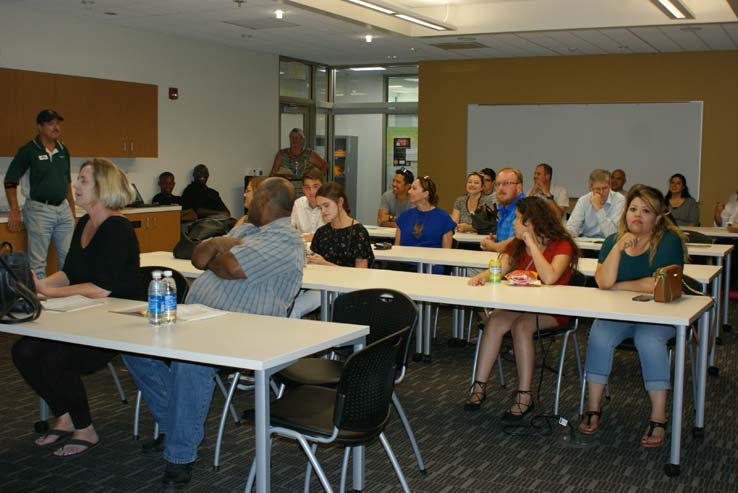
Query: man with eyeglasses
{"points": [[396, 201], [543, 188], [596, 214], [509, 186]]}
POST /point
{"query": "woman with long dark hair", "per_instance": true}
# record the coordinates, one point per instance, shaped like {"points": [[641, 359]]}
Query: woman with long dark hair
{"points": [[644, 242], [682, 207], [543, 245]]}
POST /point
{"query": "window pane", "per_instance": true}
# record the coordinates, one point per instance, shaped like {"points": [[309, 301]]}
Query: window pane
{"points": [[321, 84], [402, 89], [294, 79], [359, 87]]}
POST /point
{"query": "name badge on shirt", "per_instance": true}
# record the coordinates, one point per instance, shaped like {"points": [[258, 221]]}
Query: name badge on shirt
{"points": [[43, 157]]}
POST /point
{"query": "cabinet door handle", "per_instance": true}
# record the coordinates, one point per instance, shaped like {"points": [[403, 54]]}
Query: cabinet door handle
{"points": [[131, 146]]}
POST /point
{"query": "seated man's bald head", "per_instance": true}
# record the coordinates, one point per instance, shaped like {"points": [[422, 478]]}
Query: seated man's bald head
{"points": [[273, 199]]}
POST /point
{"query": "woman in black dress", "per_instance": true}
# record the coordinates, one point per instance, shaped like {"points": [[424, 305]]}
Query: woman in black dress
{"points": [[103, 260], [342, 240]]}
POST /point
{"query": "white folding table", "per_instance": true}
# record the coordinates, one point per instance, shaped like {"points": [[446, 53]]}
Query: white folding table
{"points": [[259, 343]]}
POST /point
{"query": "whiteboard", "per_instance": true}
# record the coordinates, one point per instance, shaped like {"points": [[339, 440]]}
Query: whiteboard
{"points": [[650, 141]]}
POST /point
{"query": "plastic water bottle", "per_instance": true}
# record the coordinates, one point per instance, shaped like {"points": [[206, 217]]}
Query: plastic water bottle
{"points": [[156, 299], [170, 298]]}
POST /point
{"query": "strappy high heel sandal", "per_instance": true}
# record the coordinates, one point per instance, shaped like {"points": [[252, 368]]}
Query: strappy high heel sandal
{"points": [[523, 408], [652, 425], [478, 395], [585, 425]]}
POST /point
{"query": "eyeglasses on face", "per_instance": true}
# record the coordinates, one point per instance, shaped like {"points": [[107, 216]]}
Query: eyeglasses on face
{"points": [[505, 183]]}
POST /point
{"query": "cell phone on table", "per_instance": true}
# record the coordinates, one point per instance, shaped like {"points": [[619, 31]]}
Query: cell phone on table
{"points": [[643, 297]]}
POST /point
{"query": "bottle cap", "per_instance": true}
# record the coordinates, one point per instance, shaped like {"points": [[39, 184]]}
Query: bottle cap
{"points": [[167, 273], [156, 274]]}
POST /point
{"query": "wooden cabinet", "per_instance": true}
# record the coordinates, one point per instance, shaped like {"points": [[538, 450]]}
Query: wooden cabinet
{"points": [[19, 240], [156, 231], [101, 117]]}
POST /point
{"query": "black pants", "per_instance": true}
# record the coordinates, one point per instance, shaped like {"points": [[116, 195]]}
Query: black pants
{"points": [[54, 370]]}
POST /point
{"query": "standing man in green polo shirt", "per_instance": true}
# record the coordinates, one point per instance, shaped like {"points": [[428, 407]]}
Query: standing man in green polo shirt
{"points": [[43, 165]]}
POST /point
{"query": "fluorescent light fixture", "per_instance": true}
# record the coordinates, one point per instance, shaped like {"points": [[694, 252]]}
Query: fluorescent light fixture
{"points": [[420, 22], [369, 38], [372, 6], [404, 14], [366, 69], [279, 14], [673, 9]]}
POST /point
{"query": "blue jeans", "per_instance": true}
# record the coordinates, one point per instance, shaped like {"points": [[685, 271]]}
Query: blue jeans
{"points": [[650, 340], [179, 397], [45, 223]]}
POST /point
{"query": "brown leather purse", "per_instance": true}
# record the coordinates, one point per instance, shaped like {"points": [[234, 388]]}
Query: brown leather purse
{"points": [[667, 283]]}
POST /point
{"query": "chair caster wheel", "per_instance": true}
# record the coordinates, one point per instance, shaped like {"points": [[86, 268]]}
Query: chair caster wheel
{"points": [[124, 401], [672, 470], [727, 328], [236, 423], [713, 371], [135, 438], [41, 426], [719, 341], [424, 472], [417, 357], [426, 358], [698, 433], [216, 468]]}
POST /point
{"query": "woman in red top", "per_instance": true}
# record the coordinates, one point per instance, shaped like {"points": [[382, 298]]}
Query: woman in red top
{"points": [[542, 244]]}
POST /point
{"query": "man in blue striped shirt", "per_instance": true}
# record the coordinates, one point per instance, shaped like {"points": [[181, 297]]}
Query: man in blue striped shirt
{"points": [[256, 268]]}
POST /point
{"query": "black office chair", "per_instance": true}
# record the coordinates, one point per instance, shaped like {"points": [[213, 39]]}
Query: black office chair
{"points": [[183, 287], [352, 414], [568, 330], [689, 286], [697, 237], [385, 311]]}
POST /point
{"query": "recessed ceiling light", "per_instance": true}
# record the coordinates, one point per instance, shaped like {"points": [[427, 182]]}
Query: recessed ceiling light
{"points": [[420, 22], [366, 69], [673, 8], [369, 38], [279, 14]]}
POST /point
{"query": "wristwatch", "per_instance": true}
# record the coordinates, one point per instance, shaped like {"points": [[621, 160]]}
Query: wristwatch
{"points": [[550, 197]]}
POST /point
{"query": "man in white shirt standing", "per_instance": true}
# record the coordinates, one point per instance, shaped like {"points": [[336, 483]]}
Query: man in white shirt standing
{"points": [[597, 213], [306, 216], [543, 188], [726, 213]]}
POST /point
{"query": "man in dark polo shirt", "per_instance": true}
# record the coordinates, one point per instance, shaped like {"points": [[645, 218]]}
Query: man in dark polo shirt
{"points": [[43, 166], [199, 200]]}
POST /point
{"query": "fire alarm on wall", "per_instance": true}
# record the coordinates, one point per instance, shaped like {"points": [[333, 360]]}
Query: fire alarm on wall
{"points": [[173, 93]]}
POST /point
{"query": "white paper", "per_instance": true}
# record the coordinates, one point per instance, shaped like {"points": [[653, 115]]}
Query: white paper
{"points": [[70, 303]]}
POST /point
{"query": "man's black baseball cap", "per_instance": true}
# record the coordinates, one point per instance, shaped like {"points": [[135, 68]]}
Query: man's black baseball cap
{"points": [[48, 115]]}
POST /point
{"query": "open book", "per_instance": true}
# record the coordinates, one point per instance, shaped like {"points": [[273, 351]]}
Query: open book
{"points": [[70, 303], [185, 313]]}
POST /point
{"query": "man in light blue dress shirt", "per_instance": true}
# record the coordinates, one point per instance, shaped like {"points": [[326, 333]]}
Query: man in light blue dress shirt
{"points": [[597, 214]]}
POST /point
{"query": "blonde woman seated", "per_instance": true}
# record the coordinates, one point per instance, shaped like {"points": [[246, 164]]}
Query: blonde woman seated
{"points": [[471, 202], [542, 244], [341, 241], [644, 242]]}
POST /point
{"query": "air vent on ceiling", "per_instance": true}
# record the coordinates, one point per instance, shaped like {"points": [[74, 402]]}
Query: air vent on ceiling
{"points": [[258, 24], [467, 45]]}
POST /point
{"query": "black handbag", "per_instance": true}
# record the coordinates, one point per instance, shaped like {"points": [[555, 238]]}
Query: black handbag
{"points": [[484, 220], [202, 229], [18, 300]]}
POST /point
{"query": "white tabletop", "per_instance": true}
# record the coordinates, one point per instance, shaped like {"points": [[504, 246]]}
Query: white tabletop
{"points": [[712, 231], [166, 259], [236, 340], [694, 249], [703, 274], [562, 300]]}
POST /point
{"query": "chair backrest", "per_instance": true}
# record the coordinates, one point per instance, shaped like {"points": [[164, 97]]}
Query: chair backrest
{"points": [[385, 311], [577, 278], [691, 286], [183, 286], [697, 237], [364, 391]]}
